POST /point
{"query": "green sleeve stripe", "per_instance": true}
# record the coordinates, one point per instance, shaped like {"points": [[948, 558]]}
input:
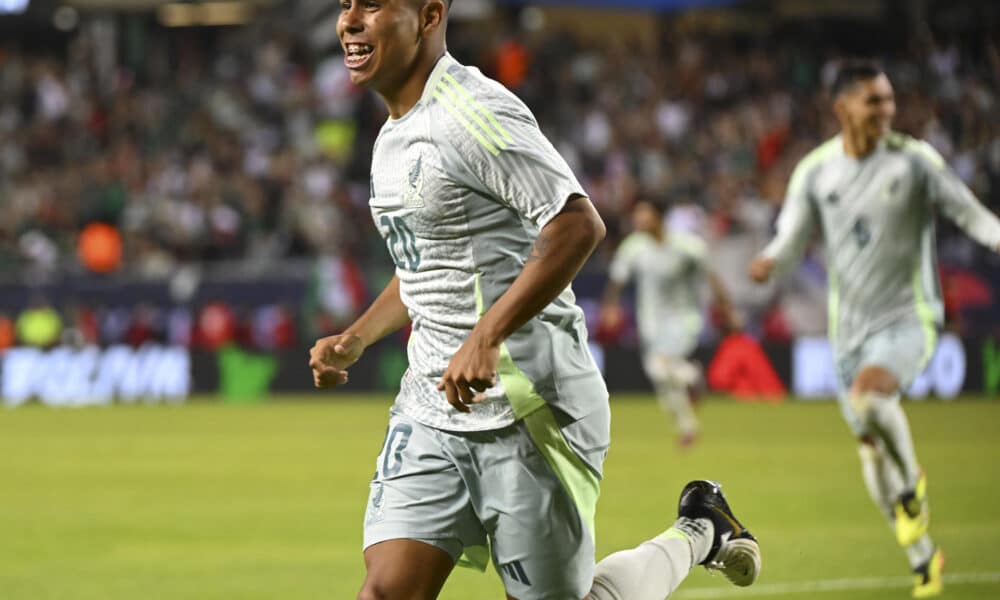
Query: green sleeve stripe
{"points": [[926, 315], [472, 100], [927, 151], [480, 309], [806, 165], [471, 112], [468, 126]]}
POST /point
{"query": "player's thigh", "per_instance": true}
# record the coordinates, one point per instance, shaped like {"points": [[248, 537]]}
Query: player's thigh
{"points": [[405, 570], [893, 358], [418, 496], [538, 502], [888, 362], [668, 362]]}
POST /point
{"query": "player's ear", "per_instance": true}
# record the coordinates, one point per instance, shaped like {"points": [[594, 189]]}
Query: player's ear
{"points": [[840, 106], [432, 15]]}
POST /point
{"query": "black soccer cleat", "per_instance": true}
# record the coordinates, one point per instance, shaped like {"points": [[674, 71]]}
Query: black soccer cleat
{"points": [[735, 551]]}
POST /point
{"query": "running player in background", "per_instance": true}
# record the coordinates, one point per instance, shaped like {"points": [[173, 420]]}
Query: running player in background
{"points": [[669, 269], [874, 194], [497, 437]]}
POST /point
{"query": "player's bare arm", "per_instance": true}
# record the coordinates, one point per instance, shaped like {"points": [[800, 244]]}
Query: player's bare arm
{"points": [[561, 249], [796, 225], [330, 357], [761, 269]]}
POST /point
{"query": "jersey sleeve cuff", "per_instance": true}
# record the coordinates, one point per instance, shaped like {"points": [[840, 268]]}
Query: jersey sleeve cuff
{"points": [[557, 207]]}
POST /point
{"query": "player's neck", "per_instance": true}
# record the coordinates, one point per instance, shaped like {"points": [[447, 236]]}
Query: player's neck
{"points": [[858, 145], [401, 99]]}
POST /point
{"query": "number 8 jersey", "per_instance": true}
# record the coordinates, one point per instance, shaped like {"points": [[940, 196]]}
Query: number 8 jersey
{"points": [[461, 186]]}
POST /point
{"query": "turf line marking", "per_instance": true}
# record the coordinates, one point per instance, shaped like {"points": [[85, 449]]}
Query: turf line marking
{"points": [[830, 585]]}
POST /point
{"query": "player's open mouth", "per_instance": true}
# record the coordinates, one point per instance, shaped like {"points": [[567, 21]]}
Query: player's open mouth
{"points": [[357, 55]]}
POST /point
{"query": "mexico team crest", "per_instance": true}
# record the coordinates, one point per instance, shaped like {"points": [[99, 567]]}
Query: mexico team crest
{"points": [[413, 197]]}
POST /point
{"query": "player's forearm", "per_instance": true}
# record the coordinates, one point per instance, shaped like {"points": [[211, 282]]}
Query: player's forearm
{"points": [[976, 221], [786, 249], [559, 253], [385, 316], [795, 228], [719, 293]]}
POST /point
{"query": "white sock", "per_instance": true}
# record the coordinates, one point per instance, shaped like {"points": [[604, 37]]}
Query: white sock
{"points": [[885, 484], [882, 478], [891, 426], [654, 569], [920, 551]]}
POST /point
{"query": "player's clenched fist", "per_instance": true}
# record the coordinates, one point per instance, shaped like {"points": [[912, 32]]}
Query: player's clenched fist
{"points": [[471, 372], [330, 357], [761, 269]]}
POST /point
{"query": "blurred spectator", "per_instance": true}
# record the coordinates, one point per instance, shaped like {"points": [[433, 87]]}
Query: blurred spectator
{"points": [[246, 145], [216, 327]]}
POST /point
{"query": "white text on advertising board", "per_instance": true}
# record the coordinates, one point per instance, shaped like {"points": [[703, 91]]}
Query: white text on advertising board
{"points": [[92, 376]]}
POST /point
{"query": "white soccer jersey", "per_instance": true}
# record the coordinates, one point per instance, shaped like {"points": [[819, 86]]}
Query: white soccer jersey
{"points": [[461, 185], [668, 274], [877, 215]]}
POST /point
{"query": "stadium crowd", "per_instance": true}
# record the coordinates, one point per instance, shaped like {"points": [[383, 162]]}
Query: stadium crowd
{"points": [[246, 146]]}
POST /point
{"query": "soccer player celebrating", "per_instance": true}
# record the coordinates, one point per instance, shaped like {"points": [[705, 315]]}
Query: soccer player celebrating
{"points": [[874, 193], [498, 434], [669, 269]]}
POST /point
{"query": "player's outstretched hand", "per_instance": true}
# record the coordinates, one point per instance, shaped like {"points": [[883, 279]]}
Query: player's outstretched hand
{"points": [[330, 357], [761, 269], [471, 372], [612, 315]]}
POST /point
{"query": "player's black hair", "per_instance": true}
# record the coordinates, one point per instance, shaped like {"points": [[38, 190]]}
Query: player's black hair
{"points": [[852, 72], [659, 202]]}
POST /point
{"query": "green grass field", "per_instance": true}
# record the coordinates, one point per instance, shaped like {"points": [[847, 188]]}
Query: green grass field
{"points": [[211, 501]]}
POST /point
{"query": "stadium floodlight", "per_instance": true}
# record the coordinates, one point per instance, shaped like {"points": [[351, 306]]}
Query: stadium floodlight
{"points": [[14, 7]]}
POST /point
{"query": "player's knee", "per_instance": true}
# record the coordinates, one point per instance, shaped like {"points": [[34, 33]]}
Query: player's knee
{"points": [[374, 592], [667, 371], [371, 592], [863, 404], [875, 381], [389, 588], [868, 405]]}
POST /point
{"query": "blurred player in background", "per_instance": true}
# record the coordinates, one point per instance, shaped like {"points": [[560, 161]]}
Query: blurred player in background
{"points": [[669, 268], [873, 194], [498, 434]]}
